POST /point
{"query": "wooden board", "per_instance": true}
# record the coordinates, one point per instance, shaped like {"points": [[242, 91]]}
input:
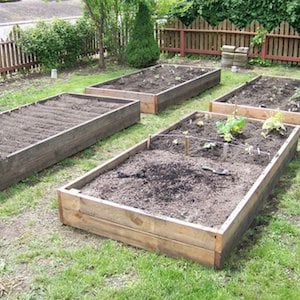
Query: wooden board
{"points": [[154, 103], [243, 215], [219, 105], [47, 152], [206, 245]]}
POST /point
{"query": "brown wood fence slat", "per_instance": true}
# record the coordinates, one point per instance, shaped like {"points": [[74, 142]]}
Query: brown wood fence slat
{"points": [[282, 43], [13, 59]]}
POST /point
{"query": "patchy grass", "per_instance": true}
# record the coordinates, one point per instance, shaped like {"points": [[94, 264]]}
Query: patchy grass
{"points": [[24, 91], [40, 259]]}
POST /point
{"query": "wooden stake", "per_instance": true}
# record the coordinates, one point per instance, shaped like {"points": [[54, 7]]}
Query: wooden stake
{"points": [[225, 150], [149, 141], [187, 145]]}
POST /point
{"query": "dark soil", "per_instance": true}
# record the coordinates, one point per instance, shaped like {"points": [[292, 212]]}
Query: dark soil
{"points": [[155, 79], [270, 93], [163, 181], [34, 123]]}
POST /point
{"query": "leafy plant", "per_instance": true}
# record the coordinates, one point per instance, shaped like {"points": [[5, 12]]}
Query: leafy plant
{"points": [[274, 123], [231, 126], [296, 95], [57, 44], [259, 38], [261, 62], [241, 12]]}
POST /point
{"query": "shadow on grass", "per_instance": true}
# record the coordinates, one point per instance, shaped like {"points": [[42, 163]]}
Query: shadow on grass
{"points": [[240, 255]]}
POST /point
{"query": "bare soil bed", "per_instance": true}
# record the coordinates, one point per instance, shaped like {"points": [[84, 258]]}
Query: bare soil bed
{"points": [[269, 92], [33, 123], [155, 79], [164, 181], [160, 86]]}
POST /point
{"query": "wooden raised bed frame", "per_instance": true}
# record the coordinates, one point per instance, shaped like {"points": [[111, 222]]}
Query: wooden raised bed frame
{"points": [[206, 245], [220, 106], [36, 157], [154, 103]]}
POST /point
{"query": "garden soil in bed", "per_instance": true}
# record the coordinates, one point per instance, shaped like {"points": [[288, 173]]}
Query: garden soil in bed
{"points": [[155, 79], [163, 181], [31, 124], [269, 92]]}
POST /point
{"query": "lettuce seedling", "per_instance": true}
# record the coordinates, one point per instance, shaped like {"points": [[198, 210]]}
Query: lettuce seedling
{"points": [[230, 127], [274, 123]]}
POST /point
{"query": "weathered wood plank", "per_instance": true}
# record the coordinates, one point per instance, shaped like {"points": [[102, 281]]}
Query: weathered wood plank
{"points": [[138, 238], [254, 112], [136, 219]]}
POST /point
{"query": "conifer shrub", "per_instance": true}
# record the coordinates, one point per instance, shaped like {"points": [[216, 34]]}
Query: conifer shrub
{"points": [[142, 50]]}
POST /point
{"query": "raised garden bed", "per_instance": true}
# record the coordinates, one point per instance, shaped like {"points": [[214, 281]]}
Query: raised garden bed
{"points": [[261, 97], [183, 192], [38, 135], [159, 86]]}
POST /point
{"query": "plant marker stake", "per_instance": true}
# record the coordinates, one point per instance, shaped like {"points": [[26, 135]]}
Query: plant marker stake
{"points": [[187, 145], [149, 141], [225, 150]]}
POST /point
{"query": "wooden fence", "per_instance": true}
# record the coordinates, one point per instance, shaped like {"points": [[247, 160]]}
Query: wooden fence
{"points": [[13, 59], [282, 43]]}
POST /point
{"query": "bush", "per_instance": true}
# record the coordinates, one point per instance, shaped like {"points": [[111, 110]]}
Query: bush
{"points": [[142, 49], [269, 13], [57, 44]]}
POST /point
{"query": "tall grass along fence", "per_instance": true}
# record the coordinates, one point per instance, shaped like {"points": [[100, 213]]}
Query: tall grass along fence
{"points": [[282, 43], [13, 59]]}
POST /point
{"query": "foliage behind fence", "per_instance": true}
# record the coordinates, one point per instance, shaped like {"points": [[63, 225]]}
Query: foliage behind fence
{"points": [[282, 43], [13, 59]]}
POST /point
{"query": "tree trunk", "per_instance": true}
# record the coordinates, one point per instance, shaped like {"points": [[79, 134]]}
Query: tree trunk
{"points": [[101, 33]]}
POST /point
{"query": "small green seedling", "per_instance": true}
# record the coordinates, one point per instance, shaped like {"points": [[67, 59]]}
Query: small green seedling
{"points": [[274, 123], [231, 126], [296, 95]]}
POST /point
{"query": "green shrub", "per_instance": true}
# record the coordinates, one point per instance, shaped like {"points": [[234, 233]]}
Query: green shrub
{"points": [[269, 13], [57, 44], [142, 49]]}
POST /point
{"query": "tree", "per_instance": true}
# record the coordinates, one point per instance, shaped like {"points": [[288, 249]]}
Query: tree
{"points": [[98, 10], [142, 49]]}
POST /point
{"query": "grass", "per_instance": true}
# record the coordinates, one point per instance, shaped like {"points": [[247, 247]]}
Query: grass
{"points": [[40, 259]]}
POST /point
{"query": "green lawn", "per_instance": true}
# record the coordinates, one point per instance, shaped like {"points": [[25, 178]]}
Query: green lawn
{"points": [[41, 259]]}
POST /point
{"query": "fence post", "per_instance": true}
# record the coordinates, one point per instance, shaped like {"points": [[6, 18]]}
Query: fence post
{"points": [[182, 42]]}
